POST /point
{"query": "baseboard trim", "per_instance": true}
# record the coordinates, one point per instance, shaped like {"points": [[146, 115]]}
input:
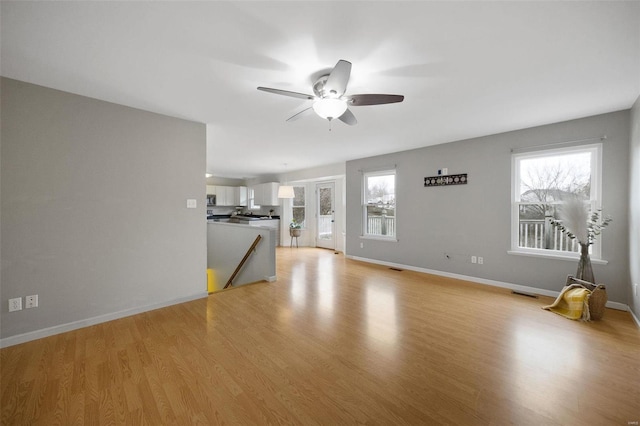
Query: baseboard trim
{"points": [[75, 325], [493, 283], [635, 318], [271, 279]]}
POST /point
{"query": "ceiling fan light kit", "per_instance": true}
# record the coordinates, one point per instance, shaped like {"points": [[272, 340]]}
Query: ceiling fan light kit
{"points": [[330, 102], [330, 108]]}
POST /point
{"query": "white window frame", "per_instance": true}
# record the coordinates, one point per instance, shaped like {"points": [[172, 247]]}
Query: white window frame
{"points": [[305, 206], [595, 201], [251, 195], [365, 175]]}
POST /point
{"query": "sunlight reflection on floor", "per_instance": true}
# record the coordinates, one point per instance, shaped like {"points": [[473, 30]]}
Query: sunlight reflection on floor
{"points": [[541, 358], [382, 326], [299, 286], [325, 288]]}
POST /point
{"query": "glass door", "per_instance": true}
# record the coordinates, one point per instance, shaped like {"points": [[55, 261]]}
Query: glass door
{"points": [[325, 237]]}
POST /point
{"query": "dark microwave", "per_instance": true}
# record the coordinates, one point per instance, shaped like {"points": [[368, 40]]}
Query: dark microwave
{"points": [[211, 200]]}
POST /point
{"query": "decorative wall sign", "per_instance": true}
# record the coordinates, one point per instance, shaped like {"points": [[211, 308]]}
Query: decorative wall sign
{"points": [[441, 180]]}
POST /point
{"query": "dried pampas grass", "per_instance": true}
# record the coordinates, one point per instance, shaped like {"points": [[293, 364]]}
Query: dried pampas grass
{"points": [[577, 223], [575, 218]]}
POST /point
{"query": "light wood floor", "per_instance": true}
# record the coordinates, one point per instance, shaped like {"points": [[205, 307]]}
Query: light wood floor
{"points": [[333, 342]]}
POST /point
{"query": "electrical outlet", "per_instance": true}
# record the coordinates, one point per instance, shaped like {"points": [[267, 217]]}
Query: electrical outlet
{"points": [[31, 301], [15, 304], [361, 245], [480, 260], [474, 259], [635, 288], [192, 203]]}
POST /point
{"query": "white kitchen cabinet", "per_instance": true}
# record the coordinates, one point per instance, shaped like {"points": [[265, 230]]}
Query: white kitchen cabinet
{"points": [[258, 195], [266, 194], [271, 194], [236, 195], [228, 195], [221, 196], [241, 196], [224, 196]]}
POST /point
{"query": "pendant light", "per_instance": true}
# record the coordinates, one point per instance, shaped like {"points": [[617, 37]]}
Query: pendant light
{"points": [[285, 191]]}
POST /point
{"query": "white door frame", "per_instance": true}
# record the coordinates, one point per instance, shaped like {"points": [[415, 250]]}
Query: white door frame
{"points": [[329, 243]]}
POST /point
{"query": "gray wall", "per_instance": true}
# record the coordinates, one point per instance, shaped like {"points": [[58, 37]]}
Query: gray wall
{"points": [[94, 216], [634, 218], [474, 219]]}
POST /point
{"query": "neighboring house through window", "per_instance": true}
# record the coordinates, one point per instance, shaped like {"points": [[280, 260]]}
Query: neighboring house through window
{"points": [[379, 204], [299, 205], [542, 181]]}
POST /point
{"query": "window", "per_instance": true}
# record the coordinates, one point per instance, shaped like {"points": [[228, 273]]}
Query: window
{"points": [[379, 204], [543, 180], [251, 196], [299, 205]]}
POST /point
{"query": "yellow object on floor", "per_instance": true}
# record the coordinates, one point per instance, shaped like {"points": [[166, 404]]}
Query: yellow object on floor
{"points": [[211, 281], [572, 303]]}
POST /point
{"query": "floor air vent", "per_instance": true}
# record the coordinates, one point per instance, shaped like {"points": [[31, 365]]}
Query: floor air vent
{"points": [[396, 269], [524, 294]]}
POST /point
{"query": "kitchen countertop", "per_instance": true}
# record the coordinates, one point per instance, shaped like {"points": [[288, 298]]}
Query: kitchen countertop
{"points": [[242, 224], [240, 219], [217, 217]]}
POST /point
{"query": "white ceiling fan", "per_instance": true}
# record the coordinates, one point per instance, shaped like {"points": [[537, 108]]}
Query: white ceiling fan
{"points": [[329, 99]]}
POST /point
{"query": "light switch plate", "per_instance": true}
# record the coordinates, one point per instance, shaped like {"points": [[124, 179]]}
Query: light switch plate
{"points": [[192, 203]]}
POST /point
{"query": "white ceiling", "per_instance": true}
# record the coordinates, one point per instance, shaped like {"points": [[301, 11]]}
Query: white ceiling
{"points": [[466, 69]]}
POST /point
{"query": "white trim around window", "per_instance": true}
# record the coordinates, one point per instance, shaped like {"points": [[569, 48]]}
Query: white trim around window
{"points": [[528, 228], [379, 207]]}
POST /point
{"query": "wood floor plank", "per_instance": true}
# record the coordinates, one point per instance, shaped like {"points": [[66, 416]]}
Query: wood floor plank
{"points": [[333, 341]]}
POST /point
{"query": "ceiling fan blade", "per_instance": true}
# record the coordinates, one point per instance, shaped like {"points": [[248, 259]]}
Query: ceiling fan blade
{"points": [[286, 93], [348, 118], [336, 84], [297, 115], [374, 99]]}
